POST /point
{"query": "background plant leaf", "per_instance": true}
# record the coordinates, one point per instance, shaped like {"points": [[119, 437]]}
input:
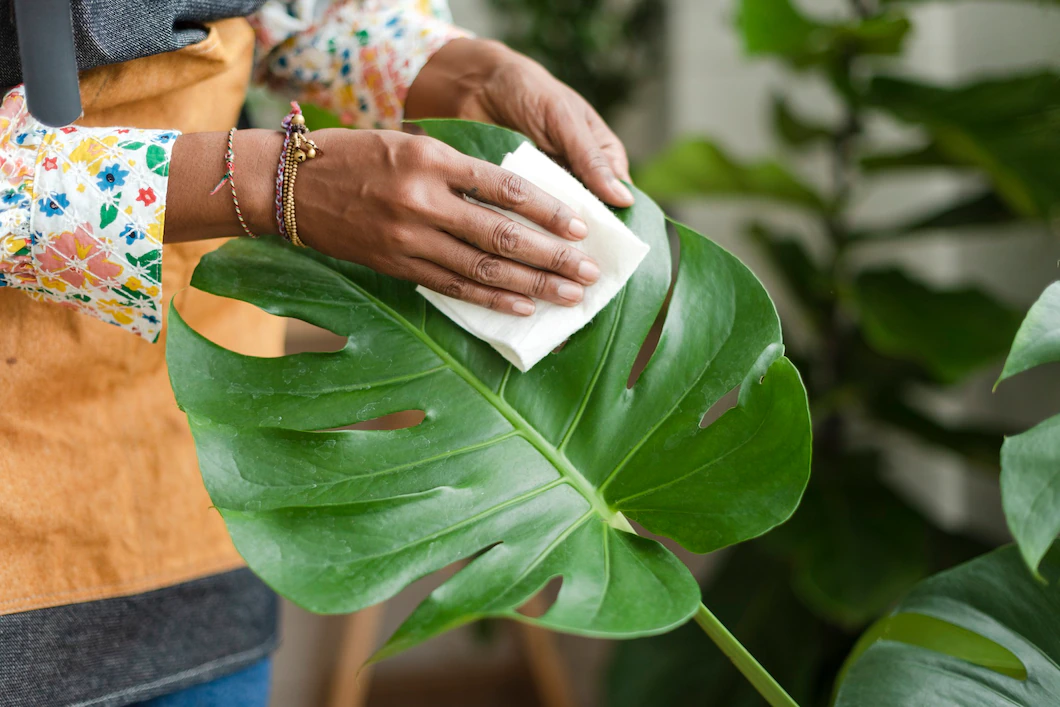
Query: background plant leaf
{"points": [[927, 657], [1030, 488], [856, 548], [526, 473], [1008, 127], [926, 156], [788, 255], [976, 211], [951, 332], [778, 28], [980, 445], [1030, 462], [696, 167], [795, 130], [1038, 340]]}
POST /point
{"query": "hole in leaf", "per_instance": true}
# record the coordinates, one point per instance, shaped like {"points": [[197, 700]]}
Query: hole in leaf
{"points": [[536, 606], [401, 420], [651, 341], [723, 405], [303, 337]]}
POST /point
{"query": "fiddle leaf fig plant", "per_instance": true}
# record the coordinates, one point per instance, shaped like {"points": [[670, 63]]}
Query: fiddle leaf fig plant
{"points": [[527, 476]]}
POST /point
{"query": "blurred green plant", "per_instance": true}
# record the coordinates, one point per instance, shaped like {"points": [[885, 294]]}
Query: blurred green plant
{"points": [[601, 48], [1030, 462], [854, 548]]}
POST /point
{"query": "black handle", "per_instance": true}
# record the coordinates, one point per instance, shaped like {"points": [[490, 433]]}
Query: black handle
{"points": [[49, 67]]}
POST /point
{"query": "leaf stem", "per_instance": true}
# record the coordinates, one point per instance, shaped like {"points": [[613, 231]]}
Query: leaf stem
{"points": [[762, 681]]}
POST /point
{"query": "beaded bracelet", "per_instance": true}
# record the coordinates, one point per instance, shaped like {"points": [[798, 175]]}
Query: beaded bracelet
{"points": [[297, 148], [230, 177]]}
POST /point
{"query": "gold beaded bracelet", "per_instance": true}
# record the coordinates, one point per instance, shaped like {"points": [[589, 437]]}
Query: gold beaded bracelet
{"points": [[297, 148]]}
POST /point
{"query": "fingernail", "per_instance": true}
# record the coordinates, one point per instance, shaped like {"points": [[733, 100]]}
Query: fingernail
{"points": [[570, 292], [619, 189], [578, 228], [523, 307], [588, 271]]}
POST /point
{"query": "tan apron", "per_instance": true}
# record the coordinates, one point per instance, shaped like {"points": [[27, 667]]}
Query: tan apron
{"points": [[100, 493]]}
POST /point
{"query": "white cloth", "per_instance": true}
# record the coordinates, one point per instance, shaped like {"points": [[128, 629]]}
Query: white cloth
{"points": [[526, 340]]}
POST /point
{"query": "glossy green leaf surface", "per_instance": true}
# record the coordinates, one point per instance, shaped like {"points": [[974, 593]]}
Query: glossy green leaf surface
{"points": [[950, 332], [527, 476], [1030, 462], [1030, 488], [1006, 127], [966, 636], [696, 167], [1038, 340], [779, 28]]}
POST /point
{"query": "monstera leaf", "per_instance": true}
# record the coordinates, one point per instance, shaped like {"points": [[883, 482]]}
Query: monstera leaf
{"points": [[527, 476], [984, 633], [1030, 462]]}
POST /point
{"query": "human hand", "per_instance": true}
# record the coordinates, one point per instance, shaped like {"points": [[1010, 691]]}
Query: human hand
{"points": [[482, 80], [394, 202]]}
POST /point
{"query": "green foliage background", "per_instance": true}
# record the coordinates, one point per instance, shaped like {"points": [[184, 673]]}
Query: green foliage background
{"points": [[855, 558]]}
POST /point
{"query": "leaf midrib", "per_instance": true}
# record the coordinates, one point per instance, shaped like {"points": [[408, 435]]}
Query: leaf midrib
{"points": [[554, 456]]}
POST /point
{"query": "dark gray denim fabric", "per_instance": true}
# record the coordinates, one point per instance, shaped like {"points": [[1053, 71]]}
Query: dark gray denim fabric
{"points": [[119, 651], [113, 31]]}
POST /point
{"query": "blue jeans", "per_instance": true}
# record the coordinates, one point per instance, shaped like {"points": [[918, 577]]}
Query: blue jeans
{"points": [[247, 688]]}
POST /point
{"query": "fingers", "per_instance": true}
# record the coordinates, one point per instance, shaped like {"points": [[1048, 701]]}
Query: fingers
{"points": [[500, 235], [459, 287], [590, 162], [611, 146], [489, 183], [502, 273]]}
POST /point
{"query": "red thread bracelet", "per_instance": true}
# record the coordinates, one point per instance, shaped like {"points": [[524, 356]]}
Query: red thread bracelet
{"points": [[230, 177]]}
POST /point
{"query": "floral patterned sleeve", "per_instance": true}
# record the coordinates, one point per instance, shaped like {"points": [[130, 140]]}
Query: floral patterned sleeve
{"points": [[356, 58], [81, 215]]}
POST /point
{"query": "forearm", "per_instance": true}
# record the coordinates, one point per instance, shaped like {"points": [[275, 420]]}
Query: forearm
{"points": [[197, 165]]}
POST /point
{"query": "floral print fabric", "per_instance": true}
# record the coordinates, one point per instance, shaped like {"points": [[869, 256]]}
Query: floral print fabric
{"points": [[356, 58], [82, 210], [81, 216]]}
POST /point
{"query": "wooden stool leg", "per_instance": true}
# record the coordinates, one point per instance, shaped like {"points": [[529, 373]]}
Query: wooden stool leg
{"points": [[360, 634]]}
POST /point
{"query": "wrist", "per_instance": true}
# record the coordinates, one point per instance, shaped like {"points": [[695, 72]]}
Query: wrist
{"points": [[457, 73], [257, 157]]}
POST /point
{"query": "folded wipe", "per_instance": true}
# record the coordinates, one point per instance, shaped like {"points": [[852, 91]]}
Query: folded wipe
{"points": [[526, 340]]}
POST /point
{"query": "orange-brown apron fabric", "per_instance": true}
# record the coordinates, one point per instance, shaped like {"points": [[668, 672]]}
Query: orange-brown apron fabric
{"points": [[100, 493]]}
